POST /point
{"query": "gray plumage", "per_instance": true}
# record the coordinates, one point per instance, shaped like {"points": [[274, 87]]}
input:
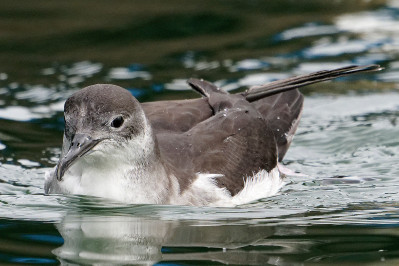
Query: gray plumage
{"points": [[231, 135]]}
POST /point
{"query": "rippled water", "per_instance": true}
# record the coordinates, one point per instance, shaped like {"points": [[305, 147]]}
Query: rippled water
{"points": [[343, 208]]}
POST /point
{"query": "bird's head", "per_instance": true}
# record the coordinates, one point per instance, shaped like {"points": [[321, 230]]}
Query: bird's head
{"points": [[101, 119]]}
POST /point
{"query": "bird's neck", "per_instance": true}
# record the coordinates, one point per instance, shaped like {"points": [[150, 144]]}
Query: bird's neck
{"points": [[144, 172], [149, 178]]}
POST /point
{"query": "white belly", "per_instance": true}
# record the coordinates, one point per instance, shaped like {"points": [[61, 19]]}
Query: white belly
{"points": [[83, 179]]}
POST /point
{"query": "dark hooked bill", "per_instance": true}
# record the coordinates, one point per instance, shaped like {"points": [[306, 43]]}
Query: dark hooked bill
{"points": [[80, 145]]}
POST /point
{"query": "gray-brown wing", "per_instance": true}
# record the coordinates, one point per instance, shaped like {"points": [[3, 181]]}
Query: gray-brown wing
{"points": [[279, 86], [176, 116], [282, 113], [235, 142], [281, 103]]}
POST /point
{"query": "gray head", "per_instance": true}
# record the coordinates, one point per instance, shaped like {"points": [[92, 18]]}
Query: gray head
{"points": [[100, 113]]}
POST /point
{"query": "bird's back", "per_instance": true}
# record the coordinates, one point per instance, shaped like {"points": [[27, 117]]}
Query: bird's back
{"points": [[233, 136], [223, 134]]}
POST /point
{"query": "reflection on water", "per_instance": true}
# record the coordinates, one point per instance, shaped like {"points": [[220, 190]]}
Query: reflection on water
{"points": [[143, 240], [342, 210], [111, 239]]}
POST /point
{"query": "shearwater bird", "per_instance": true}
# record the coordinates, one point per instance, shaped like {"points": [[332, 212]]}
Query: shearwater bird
{"points": [[219, 150]]}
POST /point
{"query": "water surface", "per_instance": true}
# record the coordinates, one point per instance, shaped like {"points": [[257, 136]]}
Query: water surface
{"points": [[343, 209]]}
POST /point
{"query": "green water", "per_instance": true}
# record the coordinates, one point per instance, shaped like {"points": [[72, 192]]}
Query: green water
{"points": [[344, 210]]}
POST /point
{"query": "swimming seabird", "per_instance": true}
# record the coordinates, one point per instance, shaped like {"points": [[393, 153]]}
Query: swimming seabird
{"points": [[219, 150]]}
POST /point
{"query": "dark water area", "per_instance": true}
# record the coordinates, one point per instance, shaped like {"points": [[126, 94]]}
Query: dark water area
{"points": [[342, 210]]}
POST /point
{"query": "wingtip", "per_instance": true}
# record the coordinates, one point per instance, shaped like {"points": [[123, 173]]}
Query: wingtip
{"points": [[377, 68], [193, 81], [195, 84], [203, 87], [366, 68], [258, 92]]}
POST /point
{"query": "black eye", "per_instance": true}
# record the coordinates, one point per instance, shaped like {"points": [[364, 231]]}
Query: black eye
{"points": [[117, 122]]}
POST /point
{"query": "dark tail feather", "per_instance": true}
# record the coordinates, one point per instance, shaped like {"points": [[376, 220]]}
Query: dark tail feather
{"points": [[258, 92]]}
